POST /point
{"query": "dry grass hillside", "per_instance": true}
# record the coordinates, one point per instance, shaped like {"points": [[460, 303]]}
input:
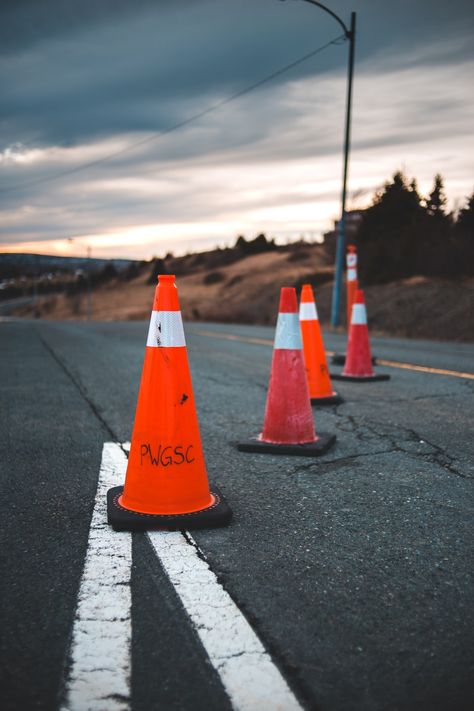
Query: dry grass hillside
{"points": [[247, 290]]}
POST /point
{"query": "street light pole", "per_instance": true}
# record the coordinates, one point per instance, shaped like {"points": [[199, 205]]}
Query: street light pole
{"points": [[341, 237]]}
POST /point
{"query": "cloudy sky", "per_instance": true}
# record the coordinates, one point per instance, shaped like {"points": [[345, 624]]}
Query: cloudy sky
{"points": [[91, 91]]}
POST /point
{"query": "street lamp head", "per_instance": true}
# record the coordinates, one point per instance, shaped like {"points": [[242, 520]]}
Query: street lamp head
{"points": [[347, 31]]}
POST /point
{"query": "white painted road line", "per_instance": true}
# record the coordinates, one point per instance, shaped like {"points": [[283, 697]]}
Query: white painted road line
{"points": [[246, 670], [99, 676]]}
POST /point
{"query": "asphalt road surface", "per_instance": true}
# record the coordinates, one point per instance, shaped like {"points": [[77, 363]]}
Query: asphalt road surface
{"points": [[354, 570]]}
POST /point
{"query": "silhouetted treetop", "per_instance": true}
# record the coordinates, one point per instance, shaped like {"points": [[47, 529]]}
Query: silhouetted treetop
{"points": [[397, 201], [254, 246], [436, 201]]}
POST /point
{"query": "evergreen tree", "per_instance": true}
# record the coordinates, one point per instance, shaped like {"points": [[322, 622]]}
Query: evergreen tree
{"points": [[387, 237], [399, 201], [401, 235], [436, 202], [465, 221]]}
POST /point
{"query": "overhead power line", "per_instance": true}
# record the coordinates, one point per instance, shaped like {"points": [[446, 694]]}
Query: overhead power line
{"points": [[175, 127]]}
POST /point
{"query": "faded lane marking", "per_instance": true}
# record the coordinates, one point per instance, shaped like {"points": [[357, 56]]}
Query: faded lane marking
{"points": [[380, 361], [246, 670], [424, 369], [231, 337], [100, 655]]}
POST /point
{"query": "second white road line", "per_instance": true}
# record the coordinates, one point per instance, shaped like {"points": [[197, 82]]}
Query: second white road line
{"points": [[100, 657], [246, 670]]}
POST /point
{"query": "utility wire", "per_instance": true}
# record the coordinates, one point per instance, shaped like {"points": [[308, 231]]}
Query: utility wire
{"points": [[185, 122]]}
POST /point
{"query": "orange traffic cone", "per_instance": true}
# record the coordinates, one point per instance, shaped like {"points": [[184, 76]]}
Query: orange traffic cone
{"points": [[358, 365], [288, 425], [166, 482], [352, 284], [319, 380]]}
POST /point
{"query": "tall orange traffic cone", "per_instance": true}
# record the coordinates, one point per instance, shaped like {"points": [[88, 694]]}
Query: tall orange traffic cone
{"points": [[352, 284], [358, 365], [319, 380], [166, 482], [288, 424]]}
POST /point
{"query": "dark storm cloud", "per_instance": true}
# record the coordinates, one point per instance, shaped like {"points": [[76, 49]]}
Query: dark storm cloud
{"points": [[28, 22], [77, 71], [137, 73]]}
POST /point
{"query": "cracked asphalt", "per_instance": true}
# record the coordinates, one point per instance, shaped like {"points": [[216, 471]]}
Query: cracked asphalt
{"points": [[354, 569]]}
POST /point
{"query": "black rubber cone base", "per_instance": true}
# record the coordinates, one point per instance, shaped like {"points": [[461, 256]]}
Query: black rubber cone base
{"points": [[340, 359], [334, 399], [311, 449], [359, 378], [121, 519]]}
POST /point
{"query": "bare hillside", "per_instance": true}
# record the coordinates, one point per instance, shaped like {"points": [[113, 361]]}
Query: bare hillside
{"points": [[247, 291]]}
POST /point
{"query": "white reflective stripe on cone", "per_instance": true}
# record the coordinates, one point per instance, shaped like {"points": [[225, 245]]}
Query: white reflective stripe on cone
{"points": [[359, 315], [166, 330], [288, 334], [351, 260], [308, 311], [352, 275]]}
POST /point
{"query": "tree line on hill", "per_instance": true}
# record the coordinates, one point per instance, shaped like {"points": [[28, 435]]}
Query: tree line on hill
{"points": [[211, 259], [403, 234]]}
